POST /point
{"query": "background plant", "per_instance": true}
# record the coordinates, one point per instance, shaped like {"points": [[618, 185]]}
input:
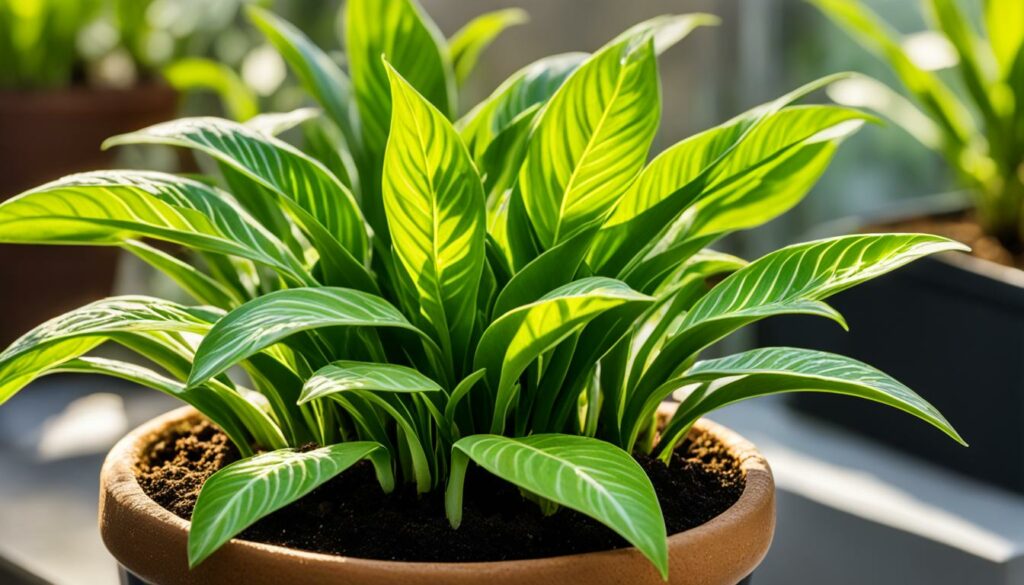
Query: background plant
{"points": [[54, 43], [982, 140], [518, 287]]}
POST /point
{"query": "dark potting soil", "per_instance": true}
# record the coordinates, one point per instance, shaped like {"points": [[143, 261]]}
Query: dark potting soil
{"points": [[351, 516], [962, 227]]}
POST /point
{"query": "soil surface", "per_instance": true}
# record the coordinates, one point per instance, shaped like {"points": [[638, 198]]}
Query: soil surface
{"points": [[351, 516], [962, 227]]}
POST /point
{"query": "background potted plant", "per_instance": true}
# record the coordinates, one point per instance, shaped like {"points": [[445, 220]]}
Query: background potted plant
{"points": [[74, 73], [513, 293], [954, 308]]}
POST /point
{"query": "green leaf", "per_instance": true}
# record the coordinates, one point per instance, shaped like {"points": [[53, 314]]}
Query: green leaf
{"points": [[272, 317], [112, 207], [229, 410], [795, 279], [355, 385], [718, 159], [499, 165], [684, 162], [194, 73], [401, 32], [755, 195], [435, 208], [471, 40], [813, 271], [955, 24], [1004, 22], [202, 287], [668, 29], [238, 495], [113, 314], [275, 165], [773, 370], [590, 476], [460, 392], [517, 338], [531, 86], [275, 123], [76, 332], [17, 371], [591, 140], [552, 269], [862, 91], [343, 376], [871, 32], [317, 73]]}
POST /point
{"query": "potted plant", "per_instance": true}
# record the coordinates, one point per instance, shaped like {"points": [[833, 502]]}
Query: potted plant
{"points": [[954, 308], [456, 347], [74, 73]]}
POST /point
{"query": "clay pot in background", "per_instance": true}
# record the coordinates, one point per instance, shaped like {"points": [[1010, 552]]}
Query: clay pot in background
{"points": [[44, 135]]}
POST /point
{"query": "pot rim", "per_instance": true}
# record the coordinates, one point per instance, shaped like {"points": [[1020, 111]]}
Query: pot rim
{"points": [[123, 500]]}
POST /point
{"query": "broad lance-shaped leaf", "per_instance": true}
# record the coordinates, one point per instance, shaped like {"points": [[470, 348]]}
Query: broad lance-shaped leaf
{"points": [[136, 323], [435, 208], [795, 279], [270, 318], [813, 271], [497, 132], [238, 495], [343, 376], [591, 140], [402, 32], [774, 370], [530, 86], [315, 195], [553, 268], [668, 29], [365, 390], [518, 337], [719, 159], [590, 476], [112, 207], [499, 165], [750, 197], [76, 332], [593, 136], [316, 71], [16, 372], [471, 40]]}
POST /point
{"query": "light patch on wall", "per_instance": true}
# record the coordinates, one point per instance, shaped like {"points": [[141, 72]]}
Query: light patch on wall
{"points": [[86, 426]]}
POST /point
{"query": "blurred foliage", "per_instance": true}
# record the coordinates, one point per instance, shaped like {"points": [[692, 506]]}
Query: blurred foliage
{"points": [[978, 127], [57, 43], [899, 169]]}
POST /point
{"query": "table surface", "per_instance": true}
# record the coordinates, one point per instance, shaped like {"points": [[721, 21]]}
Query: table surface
{"points": [[53, 437]]}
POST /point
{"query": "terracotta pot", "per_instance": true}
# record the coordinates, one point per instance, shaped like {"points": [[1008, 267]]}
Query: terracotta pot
{"points": [[151, 542], [45, 135]]}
